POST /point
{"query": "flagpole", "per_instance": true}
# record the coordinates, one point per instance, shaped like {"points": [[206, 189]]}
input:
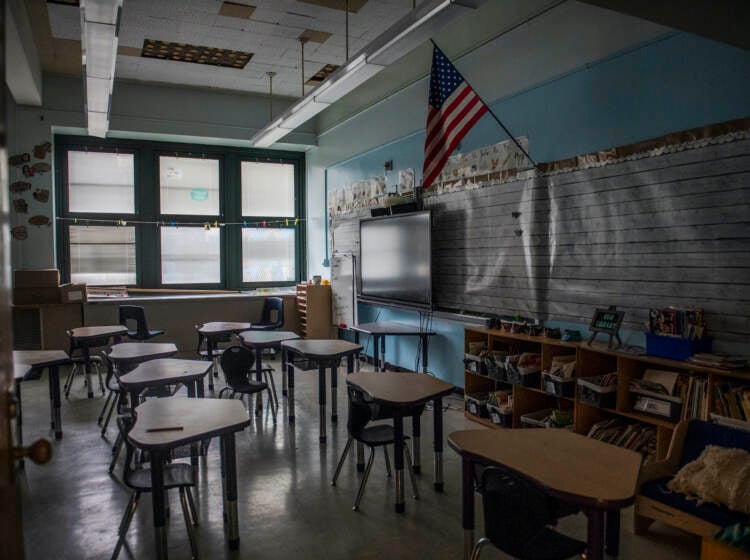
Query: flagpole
{"points": [[490, 111]]}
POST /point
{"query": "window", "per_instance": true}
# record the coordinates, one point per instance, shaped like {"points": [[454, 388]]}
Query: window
{"points": [[155, 214], [102, 255]]}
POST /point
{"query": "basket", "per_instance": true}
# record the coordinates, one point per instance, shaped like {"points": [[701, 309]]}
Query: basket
{"points": [[475, 364], [500, 415], [476, 404], [558, 386], [676, 348], [590, 392], [541, 419]]}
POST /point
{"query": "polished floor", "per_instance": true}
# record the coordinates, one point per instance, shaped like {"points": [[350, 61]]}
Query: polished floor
{"points": [[288, 509]]}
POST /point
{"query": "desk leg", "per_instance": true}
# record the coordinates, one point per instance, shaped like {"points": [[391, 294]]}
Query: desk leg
{"points": [[229, 459], [322, 402], [19, 420], [416, 448], [191, 390], [334, 390], [200, 390], [283, 374], [350, 364], [467, 504], [398, 460], [437, 417], [290, 385], [612, 533], [214, 365], [259, 379], [382, 352], [375, 352], [158, 503], [424, 353], [87, 369], [595, 539], [54, 389]]}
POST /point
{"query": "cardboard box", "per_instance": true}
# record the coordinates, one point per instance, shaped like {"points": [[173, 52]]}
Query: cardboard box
{"points": [[43, 278], [73, 293]]}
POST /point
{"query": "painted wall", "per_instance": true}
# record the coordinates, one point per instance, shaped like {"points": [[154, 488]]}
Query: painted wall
{"points": [[678, 82]]}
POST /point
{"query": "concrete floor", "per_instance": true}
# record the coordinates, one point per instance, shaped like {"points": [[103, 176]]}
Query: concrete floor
{"points": [[72, 507]]}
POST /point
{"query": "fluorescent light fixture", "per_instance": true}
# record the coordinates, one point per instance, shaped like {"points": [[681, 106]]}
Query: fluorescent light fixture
{"points": [[100, 23], [409, 32]]}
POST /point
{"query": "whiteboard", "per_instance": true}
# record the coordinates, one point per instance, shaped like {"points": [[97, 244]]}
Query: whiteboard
{"points": [[342, 288]]}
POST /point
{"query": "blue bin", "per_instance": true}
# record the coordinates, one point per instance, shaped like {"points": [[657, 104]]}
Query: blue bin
{"points": [[675, 348]]}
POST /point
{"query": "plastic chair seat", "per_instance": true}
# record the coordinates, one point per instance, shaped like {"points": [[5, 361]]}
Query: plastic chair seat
{"points": [[175, 475], [217, 352], [151, 334], [551, 545], [377, 435], [251, 386], [92, 359]]}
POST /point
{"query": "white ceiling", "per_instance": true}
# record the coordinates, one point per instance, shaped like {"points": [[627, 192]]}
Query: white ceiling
{"points": [[271, 34]]}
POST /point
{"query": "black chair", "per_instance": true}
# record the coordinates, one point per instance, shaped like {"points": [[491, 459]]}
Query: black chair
{"points": [[115, 398], [176, 475], [238, 365], [516, 518], [361, 413], [271, 306], [136, 314], [76, 357]]}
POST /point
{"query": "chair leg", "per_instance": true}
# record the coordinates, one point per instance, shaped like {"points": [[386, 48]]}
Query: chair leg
{"points": [[115, 453], [125, 523], [191, 503], [101, 381], [414, 489], [270, 381], [271, 404], [362, 484], [341, 461], [104, 409], [69, 380], [112, 407], [188, 524], [478, 548], [387, 461]]}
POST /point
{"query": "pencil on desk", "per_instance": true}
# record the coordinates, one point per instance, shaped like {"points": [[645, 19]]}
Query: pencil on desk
{"points": [[165, 429]]}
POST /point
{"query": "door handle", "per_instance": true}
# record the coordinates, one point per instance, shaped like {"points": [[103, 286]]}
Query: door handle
{"points": [[40, 452]]}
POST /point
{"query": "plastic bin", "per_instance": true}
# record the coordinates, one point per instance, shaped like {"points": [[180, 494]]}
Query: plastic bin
{"points": [[516, 376], [558, 386], [590, 392], [676, 348], [500, 415], [476, 404], [542, 419], [475, 364]]}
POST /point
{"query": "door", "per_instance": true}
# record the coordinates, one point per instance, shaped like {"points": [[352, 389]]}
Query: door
{"points": [[10, 504]]}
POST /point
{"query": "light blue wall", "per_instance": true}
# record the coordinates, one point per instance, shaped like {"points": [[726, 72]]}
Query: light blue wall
{"points": [[679, 82]]}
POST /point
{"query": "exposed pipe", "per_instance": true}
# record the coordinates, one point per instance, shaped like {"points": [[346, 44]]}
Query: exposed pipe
{"points": [[346, 11], [270, 95], [302, 42]]}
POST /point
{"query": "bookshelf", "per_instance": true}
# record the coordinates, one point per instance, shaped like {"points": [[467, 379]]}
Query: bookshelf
{"points": [[594, 360], [314, 310]]}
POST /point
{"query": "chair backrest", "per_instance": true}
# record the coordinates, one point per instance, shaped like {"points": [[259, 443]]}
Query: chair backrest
{"points": [[701, 433], [237, 362], [138, 315], [361, 411], [515, 510], [271, 305]]}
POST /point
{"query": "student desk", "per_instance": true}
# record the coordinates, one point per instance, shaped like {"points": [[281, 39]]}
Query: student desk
{"points": [[127, 355], [260, 340], [378, 332], [213, 331], [27, 361], [166, 371], [86, 338], [403, 394], [198, 419], [323, 354], [599, 477]]}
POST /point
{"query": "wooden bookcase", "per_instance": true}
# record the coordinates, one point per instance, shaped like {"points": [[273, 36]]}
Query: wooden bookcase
{"points": [[314, 311], [591, 360]]}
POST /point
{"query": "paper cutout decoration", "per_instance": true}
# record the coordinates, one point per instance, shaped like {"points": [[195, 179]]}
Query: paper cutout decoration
{"points": [[40, 151], [19, 232], [42, 195], [405, 180], [19, 159], [20, 205], [19, 186], [199, 195], [41, 167], [39, 220], [28, 171]]}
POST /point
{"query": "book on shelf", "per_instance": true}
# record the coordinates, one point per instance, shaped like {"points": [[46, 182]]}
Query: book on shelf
{"points": [[683, 323], [733, 400], [638, 437], [696, 398], [722, 361]]}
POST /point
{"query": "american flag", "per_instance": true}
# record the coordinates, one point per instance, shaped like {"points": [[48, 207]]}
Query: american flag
{"points": [[453, 109]]}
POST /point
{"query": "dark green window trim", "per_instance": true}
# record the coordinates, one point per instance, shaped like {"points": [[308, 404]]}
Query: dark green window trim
{"points": [[148, 238]]}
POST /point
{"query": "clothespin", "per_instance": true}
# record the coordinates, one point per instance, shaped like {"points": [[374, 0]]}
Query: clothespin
{"points": [[216, 224], [75, 220], [264, 223], [287, 222], [244, 223], [207, 226]]}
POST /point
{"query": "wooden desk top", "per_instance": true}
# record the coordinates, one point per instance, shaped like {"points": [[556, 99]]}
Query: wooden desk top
{"points": [[321, 349], [569, 465], [263, 339], [85, 333], [391, 328], [199, 418], [141, 351], [222, 327], [164, 371], [40, 358], [399, 388]]}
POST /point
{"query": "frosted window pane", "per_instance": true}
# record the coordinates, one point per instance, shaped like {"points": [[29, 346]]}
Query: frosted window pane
{"points": [[268, 255], [102, 255], [267, 189], [189, 186], [101, 182], [190, 255]]}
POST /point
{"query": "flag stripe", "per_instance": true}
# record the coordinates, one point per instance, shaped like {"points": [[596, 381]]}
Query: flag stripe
{"points": [[446, 119], [456, 97], [453, 121]]}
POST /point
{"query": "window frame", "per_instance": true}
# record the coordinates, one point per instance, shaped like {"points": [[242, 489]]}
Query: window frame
{"points": [[147, 206]]}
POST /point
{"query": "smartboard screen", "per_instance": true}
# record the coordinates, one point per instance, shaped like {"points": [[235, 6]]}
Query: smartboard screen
{"points": [[396, 259]]}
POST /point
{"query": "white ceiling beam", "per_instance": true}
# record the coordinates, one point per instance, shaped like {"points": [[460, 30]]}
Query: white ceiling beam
{"points": [[23, 71], [100, 25]]}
